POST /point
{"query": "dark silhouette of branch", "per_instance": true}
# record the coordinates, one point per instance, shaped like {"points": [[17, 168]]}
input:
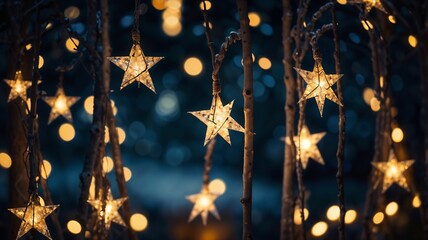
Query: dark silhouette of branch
{"points": [[207, 165]]}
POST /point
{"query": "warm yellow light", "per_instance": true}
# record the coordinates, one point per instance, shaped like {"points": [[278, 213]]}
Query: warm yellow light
{"points": [[416, 202], [365, 26], [74, 227], [28, 46], [106, 135], [306, 144], [297, 218], [368, 94], [375, 104], [71, 44], [138, 222], [5, 160], [391, 209], [350, 216], [45, 169], [319, 229], [217, 186], [193, 66], [343, 2], [397, 135], [127, 174], [171, 31], [41, 61], [92, 189], [391, 18], [333, 213], [89, 105], [378, 218], [207, 5], [412, 41], [60, 104], [107, 164], [72, 12], [254, 19], [122, 135], [67, 132], [265, 63], [159, 4]]}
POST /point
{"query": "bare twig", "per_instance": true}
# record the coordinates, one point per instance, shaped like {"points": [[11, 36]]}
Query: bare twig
{"points": [[207, 165]]}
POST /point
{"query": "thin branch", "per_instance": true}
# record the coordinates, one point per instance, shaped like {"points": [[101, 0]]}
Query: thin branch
{"points": [[207, 165]]}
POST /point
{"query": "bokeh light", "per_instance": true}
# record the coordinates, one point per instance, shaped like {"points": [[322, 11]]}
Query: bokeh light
{"points": [[319, 229], [217, 186], [391, 209], [378, 218], [159, 4], [89, 105], [45, 169], [412, 41], [207, 5], [397, 135], [107, 164], [127, 174], [41, 61], [193, 66], [391, 18], [74, 227], [66, 132], [138, 222], [71, 12], [350, 216], [255, 19], [71, 44], [416, 202], [375, 104], [5, 160], [121, 134], [297, 217], [333, 213], [265, 63], [343, 2]]}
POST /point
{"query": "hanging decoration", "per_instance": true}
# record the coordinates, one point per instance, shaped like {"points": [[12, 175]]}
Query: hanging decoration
{"points": [[18, 87], [108, 210], [218, 120], [393, 171], [307, 144], [204, 203], [319, 85], [60, 104], [33, 216], [369, 4]]}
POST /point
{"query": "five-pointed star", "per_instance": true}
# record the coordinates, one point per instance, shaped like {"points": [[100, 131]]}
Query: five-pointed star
{"points": [[18, 87], [33, 216], [319, 85], [308, 147], [60, 105], [393, 171], [110, 212], [218, 120], [136, 67], [369, 4], [204, 203]]}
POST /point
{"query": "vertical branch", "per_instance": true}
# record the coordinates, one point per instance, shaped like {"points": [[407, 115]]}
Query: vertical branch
{"points": [[290, 102], [342, 122], [424, 81], [207, 166], [247, 175]]}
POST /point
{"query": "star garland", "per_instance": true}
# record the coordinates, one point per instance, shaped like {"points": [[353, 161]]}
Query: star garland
{"points": [[60, 104], [18, 87]]}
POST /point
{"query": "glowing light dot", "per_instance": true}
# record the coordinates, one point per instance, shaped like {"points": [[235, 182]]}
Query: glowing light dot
{"points": [[297, 218], [107, 164], [397, 135], [375, 104], [66, 132], [74, 227], [391, 209], [416, 202], [319, 229], [365, 26], [41, 62], [217, 186], [193, 66], [28, 46], [265, 63], [45, 169], [350, 216], [72, 12], [306, 144], [138, 222], [412, 41], [378, 218], [159, 4], [122, 135], [343, 2], [5, 160], [171, 30], [106, 135], [207, 5], [368, 94], [333, 213], [127, 174], [391, 19], [89, 104], [254, 19], [71, 44]]}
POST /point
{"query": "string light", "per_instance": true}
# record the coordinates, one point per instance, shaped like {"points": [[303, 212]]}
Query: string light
{"points": [[319, 229]]}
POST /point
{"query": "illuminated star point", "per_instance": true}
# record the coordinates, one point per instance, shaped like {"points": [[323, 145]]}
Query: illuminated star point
{"points": [[319, 85], [369, 4], [136, 67], [18, 87], [204, 203], [218, 120], [60, 104]]}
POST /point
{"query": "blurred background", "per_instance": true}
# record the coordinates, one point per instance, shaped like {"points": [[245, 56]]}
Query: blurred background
{"points": [[162, 145]]}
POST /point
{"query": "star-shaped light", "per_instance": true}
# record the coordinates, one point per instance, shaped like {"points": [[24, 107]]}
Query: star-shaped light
{"points": [[136, 67], [308, 146], [319, 85], [18, 87], [369, 4], [33, 216], [108, 209], [218, 120], [60, 105], [204, 203], [393, 171]]}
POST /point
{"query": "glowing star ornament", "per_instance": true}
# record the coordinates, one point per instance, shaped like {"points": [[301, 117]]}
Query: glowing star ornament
{"points": [[136, 67], [218, 120], [33, 216], [60, 105], [369, 4], [393, 171], [308, 146], [18, 87], [109, 209], [204, 203], [319, 85]]}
